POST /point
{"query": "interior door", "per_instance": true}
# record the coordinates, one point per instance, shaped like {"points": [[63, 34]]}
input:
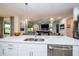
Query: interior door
{"points": [[1, 27]]}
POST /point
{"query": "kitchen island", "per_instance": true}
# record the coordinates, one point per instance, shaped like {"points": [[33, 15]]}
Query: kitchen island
{"points": [[16, 46]]}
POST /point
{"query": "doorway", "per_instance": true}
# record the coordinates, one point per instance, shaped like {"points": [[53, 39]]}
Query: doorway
{"points": [[6, 26]]}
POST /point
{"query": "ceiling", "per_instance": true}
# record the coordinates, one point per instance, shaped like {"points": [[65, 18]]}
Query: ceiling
{"points": [[37, 9]]}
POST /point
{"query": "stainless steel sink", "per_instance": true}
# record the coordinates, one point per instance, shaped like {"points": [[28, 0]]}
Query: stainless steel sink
{"points": [[34, 39]]}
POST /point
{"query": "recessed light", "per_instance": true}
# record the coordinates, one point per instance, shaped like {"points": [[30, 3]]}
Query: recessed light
{"points": [[51, 18], [59, 18]]}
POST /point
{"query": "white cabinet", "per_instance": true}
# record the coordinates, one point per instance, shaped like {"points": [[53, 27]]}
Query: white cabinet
{"points": [[23, 50], [76, 50], [20, 49], [39, 50], [1, 49], [32, 50], [10, 49]]}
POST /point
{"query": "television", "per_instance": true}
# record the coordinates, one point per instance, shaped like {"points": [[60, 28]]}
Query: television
{"points": [[44, 26]]}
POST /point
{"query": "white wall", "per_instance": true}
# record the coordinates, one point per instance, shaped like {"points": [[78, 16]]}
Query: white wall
{"points": [[75, 13], [63, 31], [22, 24], [54, 26], [16, 24], [19, 22]]}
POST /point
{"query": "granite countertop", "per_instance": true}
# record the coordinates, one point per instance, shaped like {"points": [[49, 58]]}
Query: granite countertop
{"points": [[62, 40]]}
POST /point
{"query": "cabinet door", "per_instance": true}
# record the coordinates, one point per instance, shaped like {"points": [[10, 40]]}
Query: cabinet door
{"points": [[1, 49], [39, 50], [10, 49], [75, 50], [24, 50], [32, 50]]}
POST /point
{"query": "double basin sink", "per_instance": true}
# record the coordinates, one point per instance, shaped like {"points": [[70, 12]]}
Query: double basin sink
{"points": [[34, 39]]}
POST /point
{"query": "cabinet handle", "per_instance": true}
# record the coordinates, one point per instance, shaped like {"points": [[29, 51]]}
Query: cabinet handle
{"points": [[10, 48], [3, 52], [31, 53], [10, 45]]}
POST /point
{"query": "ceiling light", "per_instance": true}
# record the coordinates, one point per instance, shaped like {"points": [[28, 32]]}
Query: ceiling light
{"points": [[26, 3], [26, 21], [51, 20], [59, 18]]}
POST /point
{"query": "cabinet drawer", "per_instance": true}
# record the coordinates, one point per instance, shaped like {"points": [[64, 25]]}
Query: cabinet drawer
{"points": [[10, 45]]}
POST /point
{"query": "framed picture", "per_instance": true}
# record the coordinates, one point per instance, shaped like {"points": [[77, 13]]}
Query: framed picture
{"points": [[62, 26]]}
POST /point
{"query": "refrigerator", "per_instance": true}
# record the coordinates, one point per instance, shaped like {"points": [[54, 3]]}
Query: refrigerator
{"points": [[76, 28]]}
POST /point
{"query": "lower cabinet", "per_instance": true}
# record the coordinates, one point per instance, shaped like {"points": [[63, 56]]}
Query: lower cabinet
{"points": [[76, 50], [10, 52], [8, 49], [19, 49], [32, 50], [23, 50], [1, 49], [40, 50]]}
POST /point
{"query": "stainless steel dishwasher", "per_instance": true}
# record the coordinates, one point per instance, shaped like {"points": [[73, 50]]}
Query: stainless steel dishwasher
{"points": [[59, 50]]}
